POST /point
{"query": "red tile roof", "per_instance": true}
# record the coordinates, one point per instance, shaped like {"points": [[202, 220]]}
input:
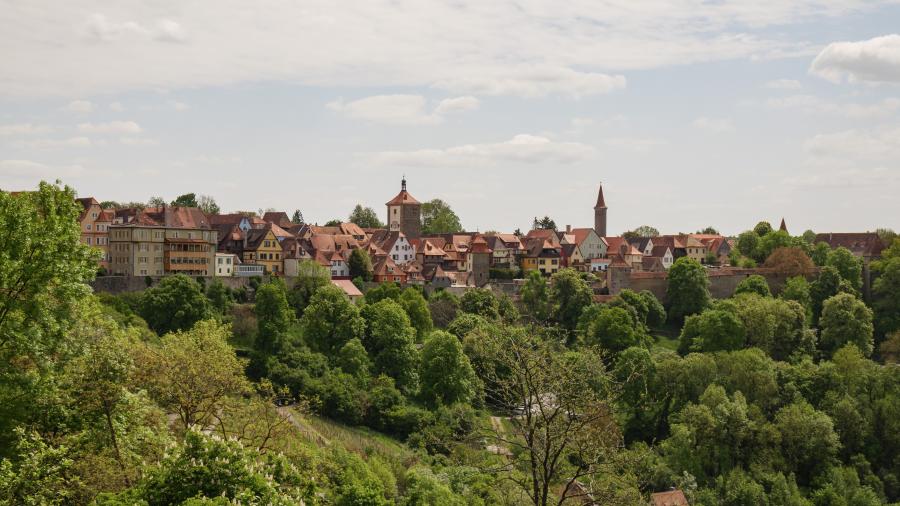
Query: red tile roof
{"points": [[670, 498], [402, 198]]}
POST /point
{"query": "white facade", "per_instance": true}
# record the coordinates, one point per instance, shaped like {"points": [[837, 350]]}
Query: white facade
{"points": [[224, 265], [339, 268], [402, 252]]}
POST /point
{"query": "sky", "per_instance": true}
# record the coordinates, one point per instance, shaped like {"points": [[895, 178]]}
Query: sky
{"points": [[691, 113]]}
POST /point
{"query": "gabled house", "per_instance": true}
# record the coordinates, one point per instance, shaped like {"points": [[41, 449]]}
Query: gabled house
{"points": [[664, 253], [695, 249], [94, 222], [385, 270], [262, 247], [396, 245], [542, 255], [570, 256], [279, 218], [590, 245]]}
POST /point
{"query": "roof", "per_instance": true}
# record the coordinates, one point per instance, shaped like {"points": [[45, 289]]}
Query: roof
{"points": [[537, 247], [581, 234], [545, 234], [783, 225], [479, 245], [601, 202], [280, 232], [653, 264], [429, 249], [569, 249], [255, 237], [353, 229], [403, 198], [672, 497], [660, 251], [859, 243], [279, 218], [385, 239], [165, 216], [347, 286]]}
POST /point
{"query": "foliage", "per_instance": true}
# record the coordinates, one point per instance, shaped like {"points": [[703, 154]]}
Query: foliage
{"points": [[753, 284], [219, 296], [790, 261], [365, 217], [175, 303], [886, 291], [438, 218], [297, 217], [642, 231], [820, 253], [208, 205], [763, 228], [186, 200], [330, 320], [310, 277], [846, 319], [535, 296], [797, 290], [443, 307], [613, 329], [360, 264], [42, 475], [569, 294], [390, 341], [712, 330], [446, 374], [688, 288], [273, 315], [416, 308], [847, 265], [545, 223], [386, 290], [481, 302]]}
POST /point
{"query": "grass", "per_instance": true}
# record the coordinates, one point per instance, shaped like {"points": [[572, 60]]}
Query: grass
{"points": [[360, 440], [666, 337]]}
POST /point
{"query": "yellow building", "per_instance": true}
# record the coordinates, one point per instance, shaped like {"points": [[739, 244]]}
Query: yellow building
{"points": [[262, 248], [541, 255], [695, 249]]}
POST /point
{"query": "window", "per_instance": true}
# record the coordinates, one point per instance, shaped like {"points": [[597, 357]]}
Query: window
{"points": [[88, 226], [87, 240]]}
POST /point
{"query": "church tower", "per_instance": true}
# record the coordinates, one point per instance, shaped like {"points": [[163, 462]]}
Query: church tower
{"points": [[405, 213], [600, 214]]}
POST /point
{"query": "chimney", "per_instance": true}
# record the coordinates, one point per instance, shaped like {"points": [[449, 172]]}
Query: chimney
{"points": [[568, 229]]}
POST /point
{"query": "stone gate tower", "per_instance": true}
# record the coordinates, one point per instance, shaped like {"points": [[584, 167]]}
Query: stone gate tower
{"points": [[405, 213], [600, 214]]}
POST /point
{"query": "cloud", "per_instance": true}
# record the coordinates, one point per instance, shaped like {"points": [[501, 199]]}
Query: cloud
{"points": [[874, 60], [113, 127], [24, 129], [31, 170], [521, 149], [852, 158], [116, 107], [179, 106], [71, 142], [881, 145], [502, 47], [457, 104], [138, 141], [715, 125], [878, 177], [401, 109], [634, 144], [810, 104], [79, 106], [784, 84]]}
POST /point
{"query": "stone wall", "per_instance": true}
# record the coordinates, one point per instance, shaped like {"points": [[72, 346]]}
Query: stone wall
{"points": [[121, 284]]}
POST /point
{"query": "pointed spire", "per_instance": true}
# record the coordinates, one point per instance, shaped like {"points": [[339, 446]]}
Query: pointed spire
{"points": [[403, 183], [783, 225], [600, 201]]}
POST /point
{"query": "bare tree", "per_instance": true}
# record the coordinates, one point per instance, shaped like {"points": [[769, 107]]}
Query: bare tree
{"points": [[564, 438]]}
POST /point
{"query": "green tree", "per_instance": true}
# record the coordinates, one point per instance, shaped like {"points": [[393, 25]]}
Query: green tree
{"points": [[219, 296], [186, 200], [827, 285], [613, 329], [273, 315], [156, 202], [688, 288], [763, 228], [310, 278], [439, 218], [775, 326], [747, 242], [330, 320], [656, 313], [192, 373], [808, 441], [446, 374], [443, 307], [771, 242], [847, 265], [535, 296], [846, 319], [569, 294], [297, 218], [416, 308], [545, 223], [481, 302], [390, 340], [712, 330], [386, 290], [365, 217], [754, 284], [886, 291], [709, 231], [354, 360], [176, 303], [43, 474], [360, 264], [820, 253], [642, 231], [797, 289]]}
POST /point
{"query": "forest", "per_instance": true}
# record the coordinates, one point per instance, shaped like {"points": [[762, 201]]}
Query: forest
{"points": [[193, 393]]}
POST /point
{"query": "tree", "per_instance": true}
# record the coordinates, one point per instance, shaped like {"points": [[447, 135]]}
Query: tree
{"points": [[846, 319], [390, 340], [808, 440], [156, 202], [790, 261], [753, 284], [809, 236], [360, 264], [797, 289], [297, 218], [564, 430], [365, 217], [776, 326], [208, 205], [763, 228], [416, 308], [481, 302], [443, 307], [535, 296], [847, 265], [569, 294], [770, 242], [712, 330], [186, 200], [827, 285], [386, 290], [192, 372], [353, 359], [613, 329], [642, 231], [688, 288], [656, 313], [545, 223], [330, 320], [42, 474], [219, 296], [310, 278], [747, 243], [446, 374], [333, 223], [439, 218], [709, 231], [176, 303], [273, 315], [886, 291], [820, 253]]}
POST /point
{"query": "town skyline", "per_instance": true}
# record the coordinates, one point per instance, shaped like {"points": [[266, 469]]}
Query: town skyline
{"points": [[742, 114]]}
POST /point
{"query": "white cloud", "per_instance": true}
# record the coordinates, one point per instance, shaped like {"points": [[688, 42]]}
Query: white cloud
{"points": [[784, 84], [715, 125], [31, 170], [499, 47], [401, 109], [881, 145], [116, 107], [873, 60], [878, 177], [179, 106], [634, 144], [71, 142], [521, 149], [24, 129], [852, 158], [79, 106], [813, 105], [457, 104], [113, 127], [138, 141]]}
